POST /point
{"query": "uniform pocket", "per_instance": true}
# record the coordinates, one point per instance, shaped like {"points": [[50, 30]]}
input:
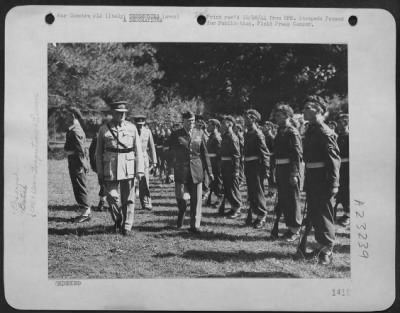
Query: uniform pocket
{"points": [[130, 163]]}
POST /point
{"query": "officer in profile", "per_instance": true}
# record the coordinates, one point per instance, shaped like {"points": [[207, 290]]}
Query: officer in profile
{"points": [[322, 162], [146, 138], [189, 156], [78, 163], [119, 158]]}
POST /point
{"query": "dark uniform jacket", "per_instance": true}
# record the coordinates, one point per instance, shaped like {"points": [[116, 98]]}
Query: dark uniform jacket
{"points": [[75, 142], [254, 146], [214, 149], [287, 145], [230, 148], [320, 145], [343, 144], [189, 153]]}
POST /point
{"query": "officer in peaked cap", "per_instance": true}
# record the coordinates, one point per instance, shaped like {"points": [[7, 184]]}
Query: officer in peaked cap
{"points": [[322, 162], [146, 138], [189, 156], [257, 159], [119, 158]]}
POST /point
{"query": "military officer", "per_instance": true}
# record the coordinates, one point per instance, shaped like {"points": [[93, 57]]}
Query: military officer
{"points": [[214, 152], [288, 155], [189, 156], [146, 138], [78, 163], [343, 196], [119, 158], [256, 158], [322, 159], [230, 168]]}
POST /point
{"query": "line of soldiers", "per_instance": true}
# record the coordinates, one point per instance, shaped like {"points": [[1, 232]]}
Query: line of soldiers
{"points": [[218, 157]]}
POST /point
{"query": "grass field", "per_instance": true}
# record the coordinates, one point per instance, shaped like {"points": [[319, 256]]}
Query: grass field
{"points": [[225, 248]]}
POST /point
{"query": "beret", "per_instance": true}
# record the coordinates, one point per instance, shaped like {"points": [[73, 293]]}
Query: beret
{"points": [[317, 101], [214, 122], [187, 114], [254, 113], [229, 118]]}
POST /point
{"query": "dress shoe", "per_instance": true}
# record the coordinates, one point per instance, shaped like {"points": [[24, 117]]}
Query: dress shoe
{"points": [[101, 206], [259, 223], [126, 232], [235, 215], [344, 221], [148, 207], [82, 219], [289, 236], [194, 230], [325, 258], [274, 235]]}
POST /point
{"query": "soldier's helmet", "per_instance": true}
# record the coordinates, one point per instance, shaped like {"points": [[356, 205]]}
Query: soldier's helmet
{"points": [[253, 113]]}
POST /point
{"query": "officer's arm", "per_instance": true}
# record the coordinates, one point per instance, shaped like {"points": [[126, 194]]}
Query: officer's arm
{"points": [[99, 153], [295, 153], [77, 146], [139, 152], [264, 152], [204, 154], [332, 161], [236, 155]]}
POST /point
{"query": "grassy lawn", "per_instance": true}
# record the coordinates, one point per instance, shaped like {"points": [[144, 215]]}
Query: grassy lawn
{"points": [[156, 249]]}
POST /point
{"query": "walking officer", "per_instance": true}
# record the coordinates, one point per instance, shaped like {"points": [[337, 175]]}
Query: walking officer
{"points": [[119, 158], [321, 156], [214, 152], [288, 154], [189, 156], [256, 158], [78, 163], [343, 196], [146, 138], [230, 168]]}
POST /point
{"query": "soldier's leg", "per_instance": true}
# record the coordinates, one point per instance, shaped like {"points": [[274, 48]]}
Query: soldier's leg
{"points": [[195, 205], [144, 191], [179, 192], [113, 197], [236, 198], [79, 186], [127, 203]]}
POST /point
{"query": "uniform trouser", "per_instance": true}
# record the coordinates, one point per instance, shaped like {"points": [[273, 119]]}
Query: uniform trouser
{"points": [[102, 191], [79, 186], [321, 211], [144, 190], [195, 191], [255, 188], [206, 183], [159, 159], [231, 187], [288, 197], [343, 195], [216, 185], [242, 177], [121, 198]]}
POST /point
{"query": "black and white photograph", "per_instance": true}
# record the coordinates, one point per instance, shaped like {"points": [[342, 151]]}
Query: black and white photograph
{"points": [[184, 160], [199, 158]]}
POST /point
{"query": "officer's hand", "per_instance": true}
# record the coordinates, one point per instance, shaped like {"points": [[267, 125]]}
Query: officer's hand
{"points": [[211, 177], [293, 180], [333, 192], [236, 174]]}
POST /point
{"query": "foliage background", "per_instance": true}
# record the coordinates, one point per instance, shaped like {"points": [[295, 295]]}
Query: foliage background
{"points": [[161, 79]]}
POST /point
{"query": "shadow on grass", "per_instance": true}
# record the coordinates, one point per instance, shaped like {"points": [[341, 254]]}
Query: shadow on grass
{"points": [[166, 213], [339, 248], [61, 219], [277, 274], [154, 229], [62, 208], [82, 231], [165, 204], [238, 256]]}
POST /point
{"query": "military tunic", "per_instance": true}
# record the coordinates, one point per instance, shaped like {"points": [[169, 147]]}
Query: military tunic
{"points": [[343, 195], [146, 138], [256, 158], [321, 156], [78, 163], [288, 154], [214, 152], [230, 170], [119, 157], [189, 156]]}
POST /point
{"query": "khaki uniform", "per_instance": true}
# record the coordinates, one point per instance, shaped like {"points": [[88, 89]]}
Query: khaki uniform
{"points": [[118, 165]]}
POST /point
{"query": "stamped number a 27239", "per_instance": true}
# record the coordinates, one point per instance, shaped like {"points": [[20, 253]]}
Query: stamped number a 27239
{"points": [[361, 225]]}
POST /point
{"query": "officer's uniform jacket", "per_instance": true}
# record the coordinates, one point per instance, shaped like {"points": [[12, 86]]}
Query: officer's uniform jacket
{"points": [[114, 161], [214, 149], [343, 144], [230, 149], [189, 156], [288, 149], [322, 158], [255, 149], [146, 138], [75, 146]]}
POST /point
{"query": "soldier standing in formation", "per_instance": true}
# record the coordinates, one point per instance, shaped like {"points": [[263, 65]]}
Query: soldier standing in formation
{"points": [[288, 154], [189, 156], [230, 168], [78, 163], [343, 196], [321, 156], [214, 152], [149, 161], [119, 158], [256, 158]]}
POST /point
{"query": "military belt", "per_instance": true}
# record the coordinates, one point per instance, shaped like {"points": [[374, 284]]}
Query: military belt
{"points": [[159, 146], [212, 155], [250, 158], [282, 161], [345, 160], [226, 159], [127, 150], [315, 164]]}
